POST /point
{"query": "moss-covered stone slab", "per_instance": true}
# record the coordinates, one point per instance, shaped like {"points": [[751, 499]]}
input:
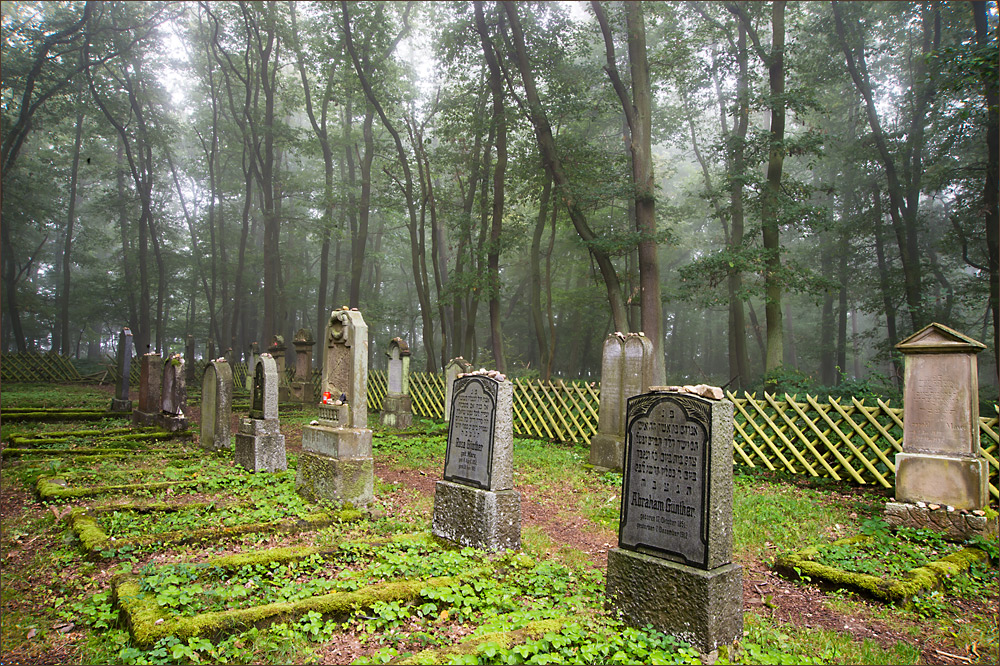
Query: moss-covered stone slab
{"points": [[148, 622], [898, 591], [85, 525]]}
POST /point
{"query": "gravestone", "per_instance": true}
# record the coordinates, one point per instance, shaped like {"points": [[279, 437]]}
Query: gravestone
{"points": [[454, 367], [189, 359], [336, 460], [476, 504], [173, 397], [260, 446], [626, 370], [397, 407], [942, 475], [277, 352], [673, 566], [121, 401], [252, 354], [302, 387], [147, 413], [216, 405]]}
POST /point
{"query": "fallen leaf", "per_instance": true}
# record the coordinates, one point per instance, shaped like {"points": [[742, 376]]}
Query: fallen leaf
{"points": [[31, 633]]}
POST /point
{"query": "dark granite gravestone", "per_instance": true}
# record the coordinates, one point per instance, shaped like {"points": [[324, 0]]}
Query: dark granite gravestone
{"points": [[260, 446], [121, 401], [673, 565], [476, 504]]}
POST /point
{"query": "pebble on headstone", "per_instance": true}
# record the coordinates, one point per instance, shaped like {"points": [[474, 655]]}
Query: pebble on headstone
{"points": [[216, 405], [147, 412], [673, 566], [476, 504], [121, 401], [260, 446], [397, 407], [336, 461]]}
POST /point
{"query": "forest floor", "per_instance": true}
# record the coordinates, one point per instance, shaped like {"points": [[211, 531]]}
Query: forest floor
{"points": [[56, 606]]}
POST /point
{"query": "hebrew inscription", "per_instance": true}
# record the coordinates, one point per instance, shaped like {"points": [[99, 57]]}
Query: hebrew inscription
{"points": [[469, 456]]}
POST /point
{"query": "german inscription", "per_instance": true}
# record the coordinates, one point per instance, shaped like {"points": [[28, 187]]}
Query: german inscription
{"points": [[469, 455], [665, 478]]}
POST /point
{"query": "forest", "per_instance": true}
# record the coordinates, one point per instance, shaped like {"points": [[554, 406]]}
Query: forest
{"points": [[768, 190]]}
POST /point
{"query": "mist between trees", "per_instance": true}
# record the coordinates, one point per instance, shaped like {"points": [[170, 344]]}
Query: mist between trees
{"points": [[763, 188]]}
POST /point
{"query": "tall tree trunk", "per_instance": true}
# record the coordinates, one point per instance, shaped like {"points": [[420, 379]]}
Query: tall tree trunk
{"points": [[553, 163], [885, 283], [827, 362], [534, 263], [990, 212], [68, 246], [844, 278]]}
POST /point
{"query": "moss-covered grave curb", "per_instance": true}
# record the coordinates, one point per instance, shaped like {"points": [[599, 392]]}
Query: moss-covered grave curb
{"points": [[84, 524], [148, 622], [900, 591], [472, 646]]}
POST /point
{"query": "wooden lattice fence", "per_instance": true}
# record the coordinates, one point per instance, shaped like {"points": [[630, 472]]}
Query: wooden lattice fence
{"points": [[36, 367]]}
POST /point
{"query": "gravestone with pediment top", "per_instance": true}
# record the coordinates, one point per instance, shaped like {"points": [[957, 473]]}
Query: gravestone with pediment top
{"points": [[301, 387], [147, 412], [173, 395], [452, 370], [397, 407], [336, 461], [626, 370], [476, 504], [216, 405], [260, 446], [121, 402], [673, 566], [942, 475]]}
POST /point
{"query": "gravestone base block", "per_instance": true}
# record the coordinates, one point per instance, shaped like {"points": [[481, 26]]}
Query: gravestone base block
{"points": [[337, 442], [607, 451], [702, 607], [172, 423], [955, 524], [397, 411], [486, 519], [144, 419], [958, 481], [260, 446], [301, 392], [342, 480], [118, 405]]}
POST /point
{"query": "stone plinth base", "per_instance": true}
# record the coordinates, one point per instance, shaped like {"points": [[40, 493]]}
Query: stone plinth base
{"points": [[957, 524], [607, 451], [702, 607], [957, 481], [172, 422], [118, 405], [397, 411], [302, 392], [337, 442], [485, 519], [260, 446], [145, 419], [340, 480]]}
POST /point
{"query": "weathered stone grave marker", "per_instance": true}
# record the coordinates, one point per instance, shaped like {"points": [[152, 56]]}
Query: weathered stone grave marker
{"points": [[147, 413], [453, 369], [260, 446], [336, 461], [673, 566], [301, 387], [121, 402], [277, 352], [476, 504], [189, 359], [941, 475], [252, 354], [216, 405], [173, 399], [397, 408], [626, 370]]}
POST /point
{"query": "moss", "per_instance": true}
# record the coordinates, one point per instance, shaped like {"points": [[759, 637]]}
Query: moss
{"points": [[91, 536], [49, 491], [472, 646], [60, 415], [898, 591], [144, 614]]}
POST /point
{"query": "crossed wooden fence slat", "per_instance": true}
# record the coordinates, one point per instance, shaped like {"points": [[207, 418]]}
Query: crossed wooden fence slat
{"points": [[843, 440]]}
